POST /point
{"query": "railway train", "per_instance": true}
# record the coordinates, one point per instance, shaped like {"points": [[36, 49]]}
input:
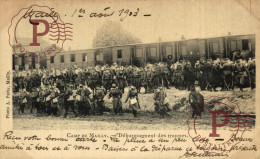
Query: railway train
{"points": [[140, 54]]}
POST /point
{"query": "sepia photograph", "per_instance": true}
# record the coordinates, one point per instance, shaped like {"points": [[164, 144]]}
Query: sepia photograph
{"points": [[133, 69], [129, 79]]}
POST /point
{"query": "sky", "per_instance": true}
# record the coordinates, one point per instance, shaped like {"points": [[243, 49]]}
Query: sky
{"points": [[169, 20]]}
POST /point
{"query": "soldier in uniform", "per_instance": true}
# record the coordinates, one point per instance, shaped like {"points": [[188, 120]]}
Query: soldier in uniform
{"points": [[227, 69], [68, 101], [48, 92], [240, 74], [129, 75], [161, 104], [54, 100], [41, 99], [136, 78], [199, 66], [116, 94], [34, 96], [237, 55], [121, 78], [60, 81], [252, 72], [196, 101], [164, 73], [81, 103], [99, 99], [149, 78], [133, 102], [93, 79], [179, 77], [23, 100], [107, 79]]}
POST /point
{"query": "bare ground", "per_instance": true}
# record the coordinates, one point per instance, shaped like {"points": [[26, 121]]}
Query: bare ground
{"points": [[146, 120]]}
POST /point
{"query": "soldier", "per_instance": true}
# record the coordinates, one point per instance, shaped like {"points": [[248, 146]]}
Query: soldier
{"points": [[107, 79], [136, 78], [34, 97], [252, 72], [41, 99], [121, 78], [116, 94], [227, 69], [87, 101], [196, 101], [237, 55], [80, 101], [240, 74], [189, 75], [60, 81], [99, 99], [54, 100], [129, 75], [179, 77], [200, 68], [133, 102], [149, 82], [68, 101], [93, 79], [23, 100], [161, 102], [164, 73], [48, 92]]}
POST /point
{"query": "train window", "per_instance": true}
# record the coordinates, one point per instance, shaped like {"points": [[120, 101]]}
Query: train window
{"points": [[84, 57], [61, 58], [233, 45], [215, 47], [245, 44], [72, 58], [168, 50], [183, 50], [153, 52], [133, 52], [52, 59], [119, 54], [139, 53]]}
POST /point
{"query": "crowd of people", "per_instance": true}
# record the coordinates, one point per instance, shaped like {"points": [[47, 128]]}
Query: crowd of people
{"points": [[83, 89]]}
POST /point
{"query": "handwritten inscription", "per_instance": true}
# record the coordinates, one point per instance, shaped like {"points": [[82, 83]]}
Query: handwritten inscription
{"points": [[109, 12], [119, 142]]}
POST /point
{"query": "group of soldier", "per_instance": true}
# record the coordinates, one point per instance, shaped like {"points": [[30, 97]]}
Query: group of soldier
{"points": [[50, 90]]}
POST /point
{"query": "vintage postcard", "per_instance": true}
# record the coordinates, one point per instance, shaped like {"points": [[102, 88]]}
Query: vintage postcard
{"points": [[129, 79]]}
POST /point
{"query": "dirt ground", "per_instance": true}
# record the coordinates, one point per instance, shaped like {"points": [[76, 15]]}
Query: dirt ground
{"points": [[146, 120]]}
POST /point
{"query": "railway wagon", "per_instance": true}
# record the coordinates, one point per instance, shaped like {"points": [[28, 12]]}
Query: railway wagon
{"points": [[141, 54]]}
